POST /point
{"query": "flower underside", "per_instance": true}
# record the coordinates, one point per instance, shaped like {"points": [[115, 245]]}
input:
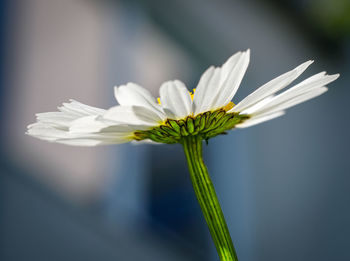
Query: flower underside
{"points": [[206, 125], [180, 115]]}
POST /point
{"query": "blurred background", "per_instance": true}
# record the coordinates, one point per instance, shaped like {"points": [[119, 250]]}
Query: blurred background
{"points": [[283, 185]]}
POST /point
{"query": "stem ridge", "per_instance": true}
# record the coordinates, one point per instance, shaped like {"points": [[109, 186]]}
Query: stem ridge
{"points": [[207, 198]]}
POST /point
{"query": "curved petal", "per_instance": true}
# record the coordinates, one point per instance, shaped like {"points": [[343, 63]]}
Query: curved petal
{"points": [[79, 109], [133, 115], [232, 80], [292, 101], [92, 142], [45, 132], [146, 141], [259, 119], [271, 87], [132, 94], [68, 113], [77, 124], [97, 124], [87, 124], [217, 86], [257, 106], [206, 89], [175, 99], [59, 119], [52, 134], [309, 85]]}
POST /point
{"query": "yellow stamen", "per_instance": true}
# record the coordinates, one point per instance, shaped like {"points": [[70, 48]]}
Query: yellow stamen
{"points": [[158, 99], [192, 94], [229, 106]]}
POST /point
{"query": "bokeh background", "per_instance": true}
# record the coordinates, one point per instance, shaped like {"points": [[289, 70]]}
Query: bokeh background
{"points": [[284, 185]]}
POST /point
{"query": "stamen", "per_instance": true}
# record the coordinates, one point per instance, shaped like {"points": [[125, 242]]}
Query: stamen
{"points": [[229, 106], [192, 94]]}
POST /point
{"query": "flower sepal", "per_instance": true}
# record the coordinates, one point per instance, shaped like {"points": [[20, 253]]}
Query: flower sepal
{"points": [[207, 125]]}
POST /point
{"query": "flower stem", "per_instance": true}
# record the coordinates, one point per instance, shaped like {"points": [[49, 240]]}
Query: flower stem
{"points": [[207, 198]]}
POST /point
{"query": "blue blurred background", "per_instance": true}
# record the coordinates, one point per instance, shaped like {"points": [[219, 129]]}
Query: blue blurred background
{"points": [[283, 185]]}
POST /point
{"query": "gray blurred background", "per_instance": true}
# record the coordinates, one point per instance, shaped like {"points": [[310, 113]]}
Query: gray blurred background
{"points": [[283, 185]]}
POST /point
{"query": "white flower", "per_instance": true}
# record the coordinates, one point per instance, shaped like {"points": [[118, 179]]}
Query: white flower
{"points": [[178, 113]]}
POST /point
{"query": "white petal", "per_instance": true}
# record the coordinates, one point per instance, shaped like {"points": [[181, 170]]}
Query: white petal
{"points": [[60, 119], [49, 133], [87, 124], [134, 95], [310, 84], [146, 141], [120, 128], [232, 81], [68, 113], [88, 127], [217, 86], [203, 90], [257, 106], [46, 132], [82, 142], [175, 100], [79, 109], [313, 82], [94, 125], [271, 87], [133, 115], [294, 101], [93, 141], [259, 119], [206, 89]]}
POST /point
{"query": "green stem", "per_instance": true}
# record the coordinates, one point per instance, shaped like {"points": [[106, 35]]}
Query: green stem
{"points": [[207, 198]]}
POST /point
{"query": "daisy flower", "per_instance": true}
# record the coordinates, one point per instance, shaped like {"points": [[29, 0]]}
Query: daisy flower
{"points": [[180, 116], [207, 111]]}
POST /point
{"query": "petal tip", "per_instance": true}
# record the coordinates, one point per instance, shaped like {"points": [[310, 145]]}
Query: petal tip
{"points": [[336, 76], [309, 62]]}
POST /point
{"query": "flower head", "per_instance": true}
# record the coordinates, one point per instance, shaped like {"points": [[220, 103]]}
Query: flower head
{"points": [[207, 111]]}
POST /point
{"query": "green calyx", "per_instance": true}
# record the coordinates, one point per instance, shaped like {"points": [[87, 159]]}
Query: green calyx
{"points": [[207, 125]]}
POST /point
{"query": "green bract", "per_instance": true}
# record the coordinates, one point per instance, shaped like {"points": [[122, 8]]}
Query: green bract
{"points": [[207, 125]]}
